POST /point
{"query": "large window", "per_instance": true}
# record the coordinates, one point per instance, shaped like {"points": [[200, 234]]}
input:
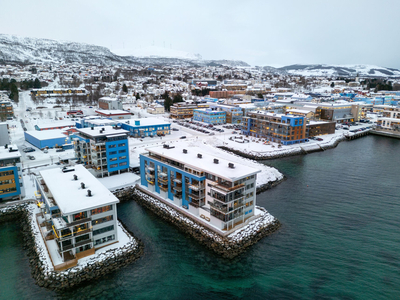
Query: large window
{"points": [[104, 239], [101, 209], [102, 220], [102, 230], [82, 238]]}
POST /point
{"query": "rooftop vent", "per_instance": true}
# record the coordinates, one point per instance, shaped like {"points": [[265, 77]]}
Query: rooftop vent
{"points": [[89, 193], [185, 151], [216, 161], [231, 165], [75, 177], [199, 155], [92, 128], [166, 146], [66, 169], [5, 146], [82, 185]]}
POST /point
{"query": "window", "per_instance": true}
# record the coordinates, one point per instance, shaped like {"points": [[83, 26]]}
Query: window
{"points": [[113, 159], [82, 238], [113, 152], [101, 209], [121, 145], [102, 220], [122, 157], [104, 239], [113, 165], [112, 146], [102, 230], [121, 151], [123, 164]]}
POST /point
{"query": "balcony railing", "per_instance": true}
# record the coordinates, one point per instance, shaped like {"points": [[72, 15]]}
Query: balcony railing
{"points": [[80, 221]]}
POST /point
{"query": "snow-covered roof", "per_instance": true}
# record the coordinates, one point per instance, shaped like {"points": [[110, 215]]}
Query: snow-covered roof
{"points": [[5, 153], [62, 123], [98, 131], [69, 195], [47, 134], [112, 112], [206, 163], [146, 122]]}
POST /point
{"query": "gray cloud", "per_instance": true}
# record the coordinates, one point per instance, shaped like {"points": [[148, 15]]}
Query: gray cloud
{"points": [[258, 32]]}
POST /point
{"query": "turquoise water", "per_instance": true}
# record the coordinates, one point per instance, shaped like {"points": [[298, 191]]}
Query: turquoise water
{"points": [[340, 239]]}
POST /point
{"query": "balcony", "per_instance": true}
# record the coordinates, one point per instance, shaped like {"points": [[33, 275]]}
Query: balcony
{"points": [[84, 242], [80, 221], [177, 188], [80, 232], [225, 187]]}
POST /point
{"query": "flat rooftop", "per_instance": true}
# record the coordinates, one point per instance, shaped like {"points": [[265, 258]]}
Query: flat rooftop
{"points": [[111, 112], [145, 122], [47, 134], [5, 153], [69, 195], [108, 131], [206, 163]]}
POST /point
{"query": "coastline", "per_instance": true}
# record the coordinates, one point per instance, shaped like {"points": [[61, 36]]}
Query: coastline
{"points": [[44, 275]]}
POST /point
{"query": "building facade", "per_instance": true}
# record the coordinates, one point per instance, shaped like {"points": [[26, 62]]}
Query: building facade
{"points": [[212, 189], [105, 150], [182, 110], [11, 183], [210, 116], [141, 128], [284, 129], [109, 103], [78, 213], [6, 110]]}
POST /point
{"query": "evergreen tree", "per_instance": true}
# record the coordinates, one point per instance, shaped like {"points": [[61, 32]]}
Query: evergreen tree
{"points": [[14, 93], [37, 84], [177, 98], [332, 84], [124, 88]]}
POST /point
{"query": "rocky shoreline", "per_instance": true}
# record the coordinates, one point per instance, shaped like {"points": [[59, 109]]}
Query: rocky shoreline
{"points": [[44, 276], [229, 246], [284, 153]]}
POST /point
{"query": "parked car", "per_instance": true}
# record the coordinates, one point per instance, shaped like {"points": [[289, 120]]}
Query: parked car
{"points": [[175, 129], [31, 157], [60, 150], [28, 149], [183, 137]]}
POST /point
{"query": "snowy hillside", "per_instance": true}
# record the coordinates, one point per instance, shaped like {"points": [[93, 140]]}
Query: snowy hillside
{"points": [[14, 49], [157, 52], [340, 70]]}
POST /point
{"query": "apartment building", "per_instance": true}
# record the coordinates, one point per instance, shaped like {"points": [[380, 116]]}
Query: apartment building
{"points": [[11, 183], [141, 128], [209, 115], [234, 113], [103, 149], [6, 110], [182, 110], [279, 128], [78, 214], [390, 119], [109, 103], [338, 112], [213, 190]]}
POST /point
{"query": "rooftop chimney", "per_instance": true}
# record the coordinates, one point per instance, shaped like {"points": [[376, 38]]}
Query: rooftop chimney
{"points": [[75, 177], [216, 161], [185, 151], [199, 155], [82, 185], [231, 165], [89, 193]]}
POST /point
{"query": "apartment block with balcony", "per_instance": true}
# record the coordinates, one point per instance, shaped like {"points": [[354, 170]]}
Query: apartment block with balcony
{"points": [[104, 150], [209, 116], [78, 214], [283, 129], [213, 190], [182, 110], [390, 119], [11, 183], [6, 110]]}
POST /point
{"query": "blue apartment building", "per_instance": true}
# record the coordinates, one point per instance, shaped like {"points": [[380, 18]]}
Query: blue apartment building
{"points": [[11, 183], [141, 128], [209, 116], [104, 149], [212, 189], [283, 129]]}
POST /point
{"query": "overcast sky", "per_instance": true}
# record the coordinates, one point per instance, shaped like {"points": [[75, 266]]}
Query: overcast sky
{"points": [[259, 32]]}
